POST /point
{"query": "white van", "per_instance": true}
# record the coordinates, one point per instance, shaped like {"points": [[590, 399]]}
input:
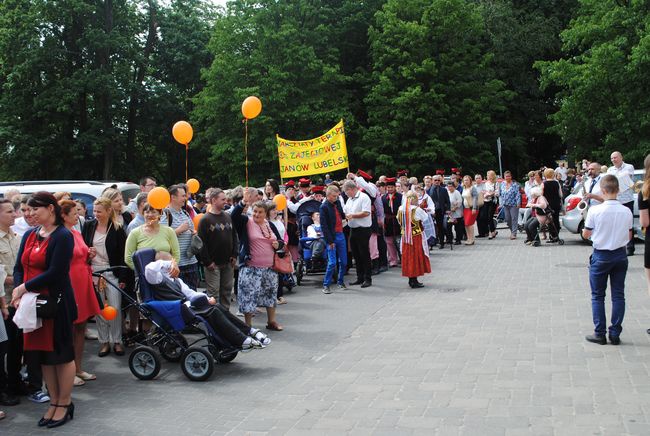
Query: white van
{"points": [[85, 190]]}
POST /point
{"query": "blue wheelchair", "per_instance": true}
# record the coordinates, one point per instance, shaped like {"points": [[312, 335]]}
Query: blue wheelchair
{"points": [[169, 320]]}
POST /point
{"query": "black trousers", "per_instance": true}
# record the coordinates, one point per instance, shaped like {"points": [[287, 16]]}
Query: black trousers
{"points": [[227, 326], [630, 244], [459, 227], [484, 221], [359, 243], [11, 377], [441, 226]]}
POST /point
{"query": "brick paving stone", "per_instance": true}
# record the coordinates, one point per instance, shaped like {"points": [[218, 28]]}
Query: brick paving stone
{"points": [[504, 355]]}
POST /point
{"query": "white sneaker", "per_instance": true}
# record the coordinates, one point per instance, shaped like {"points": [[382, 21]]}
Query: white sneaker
{"points": [[262, 338]]}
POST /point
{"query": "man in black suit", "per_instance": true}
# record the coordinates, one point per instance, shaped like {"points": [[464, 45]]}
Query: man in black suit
{"points": [[440, 197]]}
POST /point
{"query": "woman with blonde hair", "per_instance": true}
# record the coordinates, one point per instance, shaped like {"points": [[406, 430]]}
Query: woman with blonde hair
{"points": [[122, 216], [415, 252], [106, 240], [470, 208], [552, 191], [490, 201]]}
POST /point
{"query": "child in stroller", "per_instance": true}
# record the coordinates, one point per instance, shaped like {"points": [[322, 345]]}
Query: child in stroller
{"points": [[162, 275], [314, 232]]}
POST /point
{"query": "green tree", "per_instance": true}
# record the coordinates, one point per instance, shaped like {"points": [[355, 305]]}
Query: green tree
{"points": [[306, 60], [604, 95], [435, 98]]}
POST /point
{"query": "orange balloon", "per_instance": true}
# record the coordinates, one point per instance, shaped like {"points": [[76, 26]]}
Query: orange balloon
{"points": [[109, 313], [182, 132], [193, 185], [251, 107], [280, 202], [158, 198]]}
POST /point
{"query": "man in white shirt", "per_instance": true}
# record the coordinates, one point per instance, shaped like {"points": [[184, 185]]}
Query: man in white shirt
{"points": [[624, 172], [357, 211], [609, 226], [147, 183], [593, 195]]}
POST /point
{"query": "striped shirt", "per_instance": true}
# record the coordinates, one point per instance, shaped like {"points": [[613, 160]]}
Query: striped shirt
{"points": [[184, 239]]}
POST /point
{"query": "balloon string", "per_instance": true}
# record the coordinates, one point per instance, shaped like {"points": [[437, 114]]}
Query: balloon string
{"points": [[246, 147], [187, 151]]}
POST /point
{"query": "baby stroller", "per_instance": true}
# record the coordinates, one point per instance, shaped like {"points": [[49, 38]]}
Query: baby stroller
{"points": [[307, 262], [165, 337], [549, 227]]}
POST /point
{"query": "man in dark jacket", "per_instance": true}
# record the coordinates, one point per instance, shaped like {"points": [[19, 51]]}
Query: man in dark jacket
{"points": [[440, 197], [331, 222]]}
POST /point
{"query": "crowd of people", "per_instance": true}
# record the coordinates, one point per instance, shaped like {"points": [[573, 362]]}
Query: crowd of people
{"points": [[237, 241]]}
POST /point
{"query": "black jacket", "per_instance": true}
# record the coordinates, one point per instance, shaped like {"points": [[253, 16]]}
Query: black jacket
{"points": [[328, 220], [115, 246], [440, 198]]}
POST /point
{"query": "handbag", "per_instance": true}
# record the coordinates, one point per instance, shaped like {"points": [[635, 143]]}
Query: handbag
{"points": [[47, 306], [196, 245], [282, 262]]}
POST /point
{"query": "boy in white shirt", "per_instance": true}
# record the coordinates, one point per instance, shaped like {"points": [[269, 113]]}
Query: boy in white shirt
{"points": [[609, 226]]}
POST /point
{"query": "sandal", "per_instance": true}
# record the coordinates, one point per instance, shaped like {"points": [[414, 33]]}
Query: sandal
{"points": [[85, 376], [129, 338], [281, 300], [274, 326], [78, 381]]}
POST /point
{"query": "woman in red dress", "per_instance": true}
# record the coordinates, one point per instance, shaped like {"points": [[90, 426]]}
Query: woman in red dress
{"points": [[82, 285], [415, 252], [43, 267]]}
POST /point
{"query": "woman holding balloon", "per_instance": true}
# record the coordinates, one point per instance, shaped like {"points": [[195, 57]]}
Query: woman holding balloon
{"points": [[82, 285], [106, 239]]}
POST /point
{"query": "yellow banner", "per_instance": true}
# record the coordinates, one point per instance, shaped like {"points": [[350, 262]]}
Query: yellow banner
{"points": [[320, 155]]}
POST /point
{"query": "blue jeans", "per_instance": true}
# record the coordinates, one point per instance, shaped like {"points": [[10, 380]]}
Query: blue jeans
{"points": [[340, 253], [604, 264]]}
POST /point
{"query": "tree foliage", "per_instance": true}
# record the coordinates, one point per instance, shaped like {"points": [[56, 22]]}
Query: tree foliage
{"points": [[604, 93]]}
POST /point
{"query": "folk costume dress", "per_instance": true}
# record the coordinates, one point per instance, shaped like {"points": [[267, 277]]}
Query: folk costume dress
{"points": [[415, 251]]}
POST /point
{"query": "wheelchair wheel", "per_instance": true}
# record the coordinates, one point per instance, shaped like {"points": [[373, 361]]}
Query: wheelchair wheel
{"points": [[197, 364], [225, 356], [170, 351], [144, 363]]}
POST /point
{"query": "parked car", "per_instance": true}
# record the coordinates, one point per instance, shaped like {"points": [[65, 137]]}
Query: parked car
{"points": [[85, 190], [573, 219]]}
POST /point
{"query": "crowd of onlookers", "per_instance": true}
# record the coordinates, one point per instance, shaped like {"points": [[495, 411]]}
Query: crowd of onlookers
{"points": [[238, 242]]}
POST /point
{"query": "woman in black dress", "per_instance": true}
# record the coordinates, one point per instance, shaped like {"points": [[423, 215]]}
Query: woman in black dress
{"points": [[42, 266], [552, 191]]}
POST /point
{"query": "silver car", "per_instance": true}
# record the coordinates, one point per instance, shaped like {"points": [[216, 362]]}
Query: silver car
{"points": [[573, 219]]}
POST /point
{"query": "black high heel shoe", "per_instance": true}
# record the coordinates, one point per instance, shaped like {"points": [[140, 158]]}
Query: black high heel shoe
{"points": [[45, 421], [68, 415]]}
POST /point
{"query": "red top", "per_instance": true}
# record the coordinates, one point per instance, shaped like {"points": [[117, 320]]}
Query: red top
{"points": [[338, 227], [34, 264], [82, 280]]}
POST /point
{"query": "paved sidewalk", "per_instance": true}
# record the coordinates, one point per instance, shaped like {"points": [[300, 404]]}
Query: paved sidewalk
{"points": [[493, 345]]}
